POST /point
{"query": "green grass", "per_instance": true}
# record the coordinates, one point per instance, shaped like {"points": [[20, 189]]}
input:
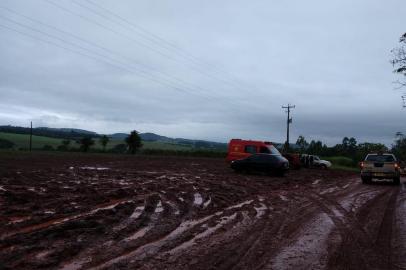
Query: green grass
{"points": [[23, 140], [342, 163], [38, 142]]}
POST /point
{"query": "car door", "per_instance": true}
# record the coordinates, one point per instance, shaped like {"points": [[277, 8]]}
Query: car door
{"points": [[263, 162]]}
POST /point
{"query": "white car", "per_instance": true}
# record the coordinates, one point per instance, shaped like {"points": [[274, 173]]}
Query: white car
{"points": [[317, 162]]}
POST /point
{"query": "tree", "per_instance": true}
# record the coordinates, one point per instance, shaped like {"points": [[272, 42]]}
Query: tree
{"points": [[85, 143], [119, 148], [365, 148], [399, 59], [315, 148], [302, 143], [399, 148], [104, 140], [352, 146], [64, 145], [134, 142]]}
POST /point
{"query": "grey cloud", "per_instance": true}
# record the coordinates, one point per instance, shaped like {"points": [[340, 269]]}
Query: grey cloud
{"points": [[331, 59]]}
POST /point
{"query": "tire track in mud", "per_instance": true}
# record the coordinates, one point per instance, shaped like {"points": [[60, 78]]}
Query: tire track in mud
{"points": [[359, 247], [398, 244], [183, 235], [63, 220], [383, 243], [352, 237], [203, 215]]}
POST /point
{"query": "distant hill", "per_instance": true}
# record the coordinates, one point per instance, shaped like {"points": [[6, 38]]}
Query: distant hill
{"points": [[74, 134], [118, 136], [152, 137], [70, 130], [60, 133]]}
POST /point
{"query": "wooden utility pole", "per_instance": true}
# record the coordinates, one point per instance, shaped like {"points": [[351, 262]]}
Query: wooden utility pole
{"points": [[288, 122], [31, 137]]}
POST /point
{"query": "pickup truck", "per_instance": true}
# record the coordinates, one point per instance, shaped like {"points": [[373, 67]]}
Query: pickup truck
{"points": [[380, 166]]}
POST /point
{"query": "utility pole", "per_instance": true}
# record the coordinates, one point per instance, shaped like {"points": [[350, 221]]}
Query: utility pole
{"points": [[31, 137], [288, 122]]}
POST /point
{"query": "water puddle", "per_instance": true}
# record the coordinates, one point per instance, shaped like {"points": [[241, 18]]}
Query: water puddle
{"points": [[58, 221], [159, 208], [154, 247], [309, 251], [329, 190], [347, 185], [94, 168], [207, 232], [206, 203], [198, 200], [140, 233], [42, 254], [260, 210], [14, 220], [316, 182], [240, 204]]}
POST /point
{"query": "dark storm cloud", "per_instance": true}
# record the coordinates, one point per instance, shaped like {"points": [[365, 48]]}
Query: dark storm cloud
{"points": [[330, 58]]}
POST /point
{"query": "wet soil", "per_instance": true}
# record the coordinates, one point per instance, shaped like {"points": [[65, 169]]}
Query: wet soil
{"points": [[117, 212]]}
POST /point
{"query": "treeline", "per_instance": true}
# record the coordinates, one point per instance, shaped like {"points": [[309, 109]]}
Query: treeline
{"points": [[350, 148], [48, 132]]}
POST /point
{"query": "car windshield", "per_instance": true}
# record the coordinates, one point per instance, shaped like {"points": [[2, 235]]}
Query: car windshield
{"points": [[380, 158], [273, 150]]}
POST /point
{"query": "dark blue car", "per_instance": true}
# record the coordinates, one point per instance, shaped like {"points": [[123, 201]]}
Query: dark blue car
{"points": [[267, 163]]}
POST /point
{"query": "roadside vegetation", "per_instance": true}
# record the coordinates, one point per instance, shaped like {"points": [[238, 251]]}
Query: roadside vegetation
{"points": [[12, 142], [349, 152], [345, 155]]}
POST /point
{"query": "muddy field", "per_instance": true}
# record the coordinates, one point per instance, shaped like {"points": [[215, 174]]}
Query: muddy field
{"points": [[105, 212]]}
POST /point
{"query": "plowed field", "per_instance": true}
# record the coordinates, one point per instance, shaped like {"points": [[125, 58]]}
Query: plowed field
{"points": [[117, 212]]}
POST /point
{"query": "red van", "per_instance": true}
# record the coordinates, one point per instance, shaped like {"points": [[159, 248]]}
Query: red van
{"points": [[238, 149]]}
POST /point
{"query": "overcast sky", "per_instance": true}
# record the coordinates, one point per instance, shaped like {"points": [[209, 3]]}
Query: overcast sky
{"points": [[211, 70]]}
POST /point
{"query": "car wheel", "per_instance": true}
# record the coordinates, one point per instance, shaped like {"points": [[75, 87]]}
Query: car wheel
{"points": [[323, 166], [366, 180], [396, 181]]}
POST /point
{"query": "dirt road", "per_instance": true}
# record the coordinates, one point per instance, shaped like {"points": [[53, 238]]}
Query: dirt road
{"points": [[115, 212]]}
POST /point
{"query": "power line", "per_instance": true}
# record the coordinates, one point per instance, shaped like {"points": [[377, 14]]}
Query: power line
{"points": [[131, 60], [161, 41], [89, 56], [194, 67], [149, 35], [124, 68]]}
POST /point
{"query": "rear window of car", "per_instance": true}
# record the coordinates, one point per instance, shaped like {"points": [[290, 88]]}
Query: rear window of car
{"points": [[380, 158], [250, 149]]}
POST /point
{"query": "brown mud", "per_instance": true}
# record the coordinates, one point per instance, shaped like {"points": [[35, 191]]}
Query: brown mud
{"points": [[116, 212]]}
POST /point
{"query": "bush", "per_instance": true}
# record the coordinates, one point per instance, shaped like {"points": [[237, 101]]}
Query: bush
{"points": [[6, 144], [48, 148], [119, 148]]}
